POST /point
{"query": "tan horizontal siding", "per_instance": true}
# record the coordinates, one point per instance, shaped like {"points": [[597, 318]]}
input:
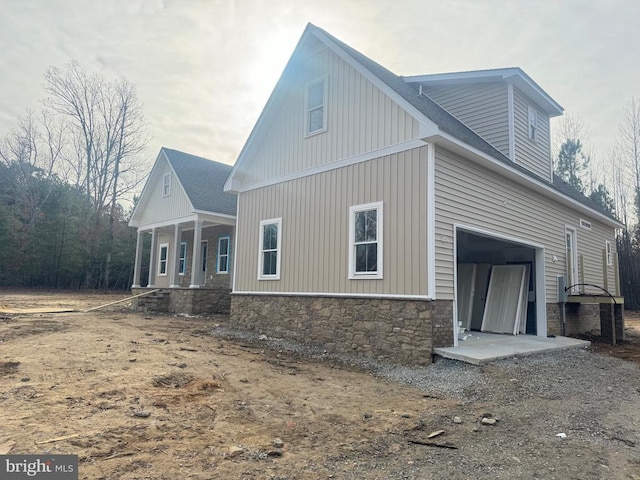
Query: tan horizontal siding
{"points": [[469, 195], [315, 224], [482, 107], [158, 208], [360, 119], [534, 156]]}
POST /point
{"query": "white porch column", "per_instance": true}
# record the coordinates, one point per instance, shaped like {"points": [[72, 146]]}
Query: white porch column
{"points": [[137, 266], [175, 271], [153, 258], [196, 264]]}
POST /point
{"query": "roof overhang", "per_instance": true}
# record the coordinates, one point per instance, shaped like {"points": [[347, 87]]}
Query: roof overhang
{"points": [[208, 218], [513, 75]]}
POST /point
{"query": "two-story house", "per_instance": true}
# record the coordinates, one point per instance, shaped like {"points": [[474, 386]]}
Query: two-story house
{"points": [[380, 214]]}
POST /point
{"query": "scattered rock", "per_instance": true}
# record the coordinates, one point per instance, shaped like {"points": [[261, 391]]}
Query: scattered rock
{"points": [[133, 359], [234, 451], [141, 414], [488, 421], [277, 442], [182, 365], [406, 415], [366, 416], [457, 420], [243, 380], [274, 453], [25, 379]]}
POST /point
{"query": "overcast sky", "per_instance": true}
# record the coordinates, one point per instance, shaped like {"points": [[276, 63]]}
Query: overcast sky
{"points": [[205, 68]]}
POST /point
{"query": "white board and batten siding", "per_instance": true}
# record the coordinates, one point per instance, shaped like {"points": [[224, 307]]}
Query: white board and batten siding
{"points": [[360, 119], [467, 194], [483, 107], [315, 228], [535, 156], [159, 208]]}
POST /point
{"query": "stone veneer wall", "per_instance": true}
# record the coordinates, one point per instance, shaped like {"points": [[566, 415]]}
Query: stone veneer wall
{"points": [[193, 301], [580, 317], [400, 331]]}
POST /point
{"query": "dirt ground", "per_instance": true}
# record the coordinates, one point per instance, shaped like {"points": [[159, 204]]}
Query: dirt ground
{"points": [[159, 397]]}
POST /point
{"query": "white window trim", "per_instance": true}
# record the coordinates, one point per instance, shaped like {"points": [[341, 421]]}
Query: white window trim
{"points": [[166, 185], [183, 259], [353, 275], [531, 110], [277, 221], [218, 271], [325, 90], [166, 261], [608, 249]]}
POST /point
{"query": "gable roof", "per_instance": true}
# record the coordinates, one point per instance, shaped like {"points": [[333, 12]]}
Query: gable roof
{"points": [[514, 75], [438, 121], [203, 181]]}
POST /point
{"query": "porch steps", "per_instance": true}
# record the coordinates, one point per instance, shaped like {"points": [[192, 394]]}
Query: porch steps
{"points": [[154, 302]]}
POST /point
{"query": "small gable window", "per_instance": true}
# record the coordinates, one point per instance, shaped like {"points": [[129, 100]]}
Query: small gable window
{"points": [[315, 102], [166, 185], [533, 124]]}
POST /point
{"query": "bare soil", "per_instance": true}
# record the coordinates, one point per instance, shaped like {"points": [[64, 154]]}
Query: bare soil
{"points": [[159, 397]]}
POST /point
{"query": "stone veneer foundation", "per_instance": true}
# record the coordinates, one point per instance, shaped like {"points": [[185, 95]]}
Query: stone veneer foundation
{"points": [[399, 331]]}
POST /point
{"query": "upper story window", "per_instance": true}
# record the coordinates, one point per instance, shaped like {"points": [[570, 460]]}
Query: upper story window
{"points": [[166, 185], [533, 124], [365, 241], [270, 241], [315, 105], [223, 255]]}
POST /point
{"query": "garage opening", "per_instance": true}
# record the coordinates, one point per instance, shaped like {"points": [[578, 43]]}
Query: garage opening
{"points": [[499, 285]]}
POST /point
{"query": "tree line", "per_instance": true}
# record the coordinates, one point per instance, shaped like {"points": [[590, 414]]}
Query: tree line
{"points": [[66, 170], [64, 173]]}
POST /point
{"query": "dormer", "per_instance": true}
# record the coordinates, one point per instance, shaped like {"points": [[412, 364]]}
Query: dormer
{"points": [[504, 106]]}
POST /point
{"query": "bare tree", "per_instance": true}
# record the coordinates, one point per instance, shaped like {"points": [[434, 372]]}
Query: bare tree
{"points": [[629, 145], [32, 151], [108, 131]]}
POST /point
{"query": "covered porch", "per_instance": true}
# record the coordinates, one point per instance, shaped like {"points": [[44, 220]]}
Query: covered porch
{"points": [[192, 252]]}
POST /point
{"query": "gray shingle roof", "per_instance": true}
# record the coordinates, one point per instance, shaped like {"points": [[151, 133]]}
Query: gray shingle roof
{"points": [[203, 181], [450, 124]]}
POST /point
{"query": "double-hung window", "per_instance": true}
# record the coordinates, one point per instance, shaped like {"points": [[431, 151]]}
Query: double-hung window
{"points": [[162, 261], [223, 255], [365, 241], [609, 253], [270, 242], [315, 103], [183, 258]]}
